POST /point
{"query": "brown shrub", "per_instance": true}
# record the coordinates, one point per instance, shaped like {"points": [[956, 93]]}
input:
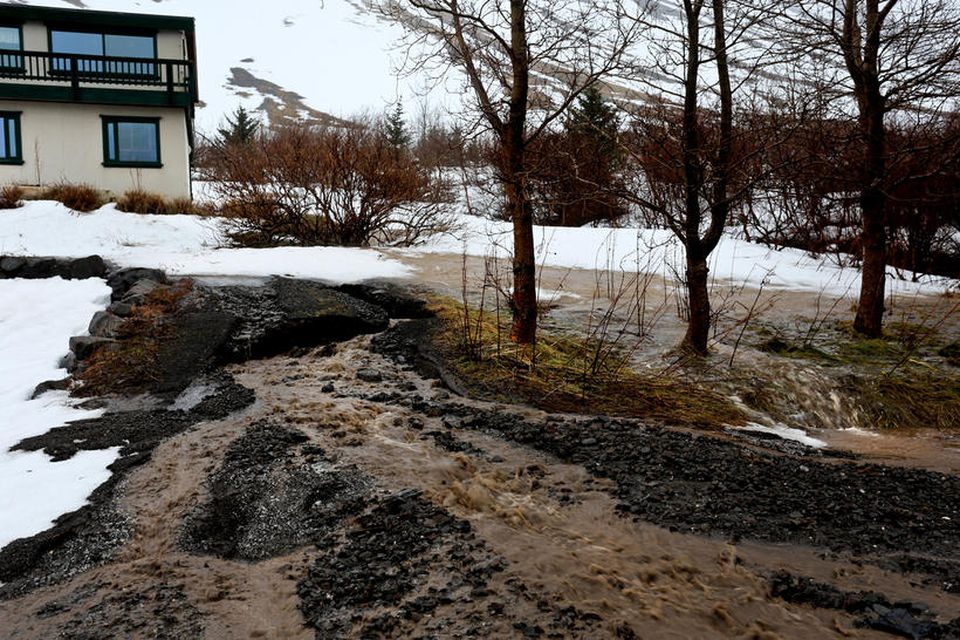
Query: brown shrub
{"points": [[325, 185], [79, 197], [140, 201], [11, 197]]}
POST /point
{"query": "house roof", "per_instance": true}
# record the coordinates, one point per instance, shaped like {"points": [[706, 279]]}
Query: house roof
{"points": [[19, 13]]}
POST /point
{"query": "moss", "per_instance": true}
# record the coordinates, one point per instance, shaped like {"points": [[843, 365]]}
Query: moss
{"points": [[567, 373], [784, 347]]}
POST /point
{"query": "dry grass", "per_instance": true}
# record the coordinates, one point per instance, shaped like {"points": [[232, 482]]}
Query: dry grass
{"points": [[132, 364], [149, 203], [79, 197], [11, 197], [909, 400], [561, 375]]}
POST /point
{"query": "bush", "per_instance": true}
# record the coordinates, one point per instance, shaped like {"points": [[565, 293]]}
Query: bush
{"points": [[11, 197], [323, 185], [146, 202], [139, 201], [79, 197]]}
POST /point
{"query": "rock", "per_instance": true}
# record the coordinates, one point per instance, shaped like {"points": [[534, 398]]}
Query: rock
{"points": [[395, 300], [84, 268], [51, 385], [310, 314], [85, 346], [38, 268], [194, 344], [121, 309], [68, 362], [104, 324], [369, 375], [138, 293], [66, 268], [10, 264], [121, 280], [327, 388]]}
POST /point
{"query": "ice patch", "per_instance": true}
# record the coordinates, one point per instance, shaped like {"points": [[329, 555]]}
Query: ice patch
{"points": [[784, 432]]}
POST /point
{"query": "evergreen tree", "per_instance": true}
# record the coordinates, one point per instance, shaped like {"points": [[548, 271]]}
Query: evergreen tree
{"points": [[395, 128], [595, 121], [240, 129]]}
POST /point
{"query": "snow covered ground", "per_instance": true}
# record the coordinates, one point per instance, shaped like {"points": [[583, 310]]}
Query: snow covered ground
{"points": [[188, 245], [37, 318], [181, 245]]}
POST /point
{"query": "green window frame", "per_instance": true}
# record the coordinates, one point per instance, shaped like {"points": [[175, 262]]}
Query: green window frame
{"points": [[11, 142], [11, 62], [114, 154]]}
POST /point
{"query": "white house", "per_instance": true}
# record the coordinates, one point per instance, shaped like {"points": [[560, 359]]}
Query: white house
{"points": [[96, 97]]}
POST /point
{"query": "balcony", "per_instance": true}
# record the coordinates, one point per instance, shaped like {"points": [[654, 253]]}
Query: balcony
{"points": [[68, 77]]}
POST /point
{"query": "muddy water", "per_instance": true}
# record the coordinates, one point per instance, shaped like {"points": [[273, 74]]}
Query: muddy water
{"points": [[553, 522]]}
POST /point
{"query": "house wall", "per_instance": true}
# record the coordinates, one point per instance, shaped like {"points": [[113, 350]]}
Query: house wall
{"points": [[64, 143]]}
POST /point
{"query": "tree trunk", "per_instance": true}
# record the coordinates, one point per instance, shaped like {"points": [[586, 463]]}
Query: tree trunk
{"points": [[524, 327], [873, 236], [698, 325]]}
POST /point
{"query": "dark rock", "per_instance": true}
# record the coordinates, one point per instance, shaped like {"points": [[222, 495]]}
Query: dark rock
{"points": [[397, 301], [193, 346], [84, 268], [12, 264], [121, 309], [311, 307], [121, 280], [66, 268], [85, 346], [51, 385], [327, 388], [138, 293], [68, 362], [104, 324], [369, 375]]}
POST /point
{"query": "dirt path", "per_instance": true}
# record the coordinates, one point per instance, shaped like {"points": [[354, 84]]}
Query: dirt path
{"points": [[363, 509]]}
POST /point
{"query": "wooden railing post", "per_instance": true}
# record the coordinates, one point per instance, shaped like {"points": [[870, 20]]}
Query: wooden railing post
{"points": [[75, 77]]}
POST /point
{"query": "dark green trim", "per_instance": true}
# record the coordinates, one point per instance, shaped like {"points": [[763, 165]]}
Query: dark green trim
{"points": [[126, 97], [5, 158], [85, 17], [107, 122]]}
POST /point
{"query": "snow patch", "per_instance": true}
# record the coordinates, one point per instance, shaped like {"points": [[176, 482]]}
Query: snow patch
{"points": [[784, 432], [37, 318]]}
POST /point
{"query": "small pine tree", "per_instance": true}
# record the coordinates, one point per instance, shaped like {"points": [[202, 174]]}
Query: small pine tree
{"points": [[240, 129], [596, 120], [395, 128]]}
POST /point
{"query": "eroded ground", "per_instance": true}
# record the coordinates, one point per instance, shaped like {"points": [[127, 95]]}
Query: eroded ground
{"points": [[339, 507]]}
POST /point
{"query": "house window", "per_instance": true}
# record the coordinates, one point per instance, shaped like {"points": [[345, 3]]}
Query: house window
{"points": [[131, 142], [11, 39], [10, 147], [115, 45]]}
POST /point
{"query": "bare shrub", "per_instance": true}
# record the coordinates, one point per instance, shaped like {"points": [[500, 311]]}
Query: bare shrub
{"points": [[322, 185], [11, 197], [79, 197]]}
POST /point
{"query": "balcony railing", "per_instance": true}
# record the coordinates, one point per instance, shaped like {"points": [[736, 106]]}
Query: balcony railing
{"points": [[80, 71]]}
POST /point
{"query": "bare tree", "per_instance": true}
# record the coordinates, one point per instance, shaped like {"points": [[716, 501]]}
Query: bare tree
{"points": [[893, 59], [694, 162], [524, 62]]}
